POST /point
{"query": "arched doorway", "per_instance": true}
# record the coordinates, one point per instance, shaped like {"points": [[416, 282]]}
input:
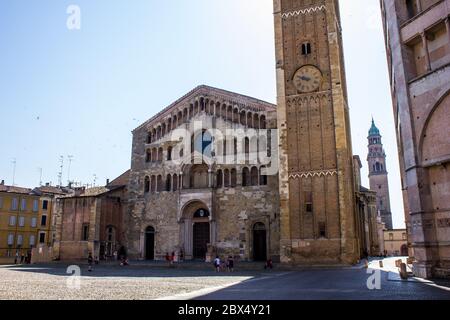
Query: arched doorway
{"points": [[201, 233], [404, 250], [150, 243], [259, 242]]}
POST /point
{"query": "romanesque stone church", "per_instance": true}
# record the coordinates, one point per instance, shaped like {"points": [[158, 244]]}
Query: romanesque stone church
{"points": [[219, 173]]}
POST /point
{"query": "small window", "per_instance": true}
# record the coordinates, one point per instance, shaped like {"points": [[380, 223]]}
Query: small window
{"points": [[322, 230], [32, 240], [35, 205], [309, 202], [306, 48], [147, 185], [42, 237], [21, 221], [45, 205], [43, 221], [23, 205], [33, 222], [85, 235], [12, 221], [19, 240], [10, 239], [14, 204]]}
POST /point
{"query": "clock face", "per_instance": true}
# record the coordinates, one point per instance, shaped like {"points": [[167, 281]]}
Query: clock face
{"points": [[307, 79]]}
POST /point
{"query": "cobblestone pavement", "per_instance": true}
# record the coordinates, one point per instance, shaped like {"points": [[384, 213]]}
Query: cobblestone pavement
{"points": [[142, 282], [107, 282]]}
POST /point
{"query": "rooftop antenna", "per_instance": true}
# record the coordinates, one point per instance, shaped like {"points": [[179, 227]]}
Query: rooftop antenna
{"points": [[95, 179], [14, 162], [61, 161], [70, 157]]}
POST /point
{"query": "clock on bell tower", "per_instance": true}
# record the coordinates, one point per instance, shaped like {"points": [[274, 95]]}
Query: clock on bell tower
{"points": [[316, 177]]}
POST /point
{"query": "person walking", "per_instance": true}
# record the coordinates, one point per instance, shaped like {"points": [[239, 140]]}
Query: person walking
{"points": [[217, 264], [230, 264], [90, 261], [16, 259], [22, 258]]}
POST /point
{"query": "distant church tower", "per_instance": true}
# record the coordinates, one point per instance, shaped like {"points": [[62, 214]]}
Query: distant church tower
{"points": [[317, 198], [378, 174]]}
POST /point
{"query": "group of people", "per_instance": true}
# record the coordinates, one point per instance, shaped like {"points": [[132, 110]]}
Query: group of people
{"points": [[91, 260], [224, 265], [22, 258]]}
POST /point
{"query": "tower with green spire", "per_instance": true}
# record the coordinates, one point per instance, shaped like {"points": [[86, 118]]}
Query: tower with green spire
{"points": [[378, 175]]}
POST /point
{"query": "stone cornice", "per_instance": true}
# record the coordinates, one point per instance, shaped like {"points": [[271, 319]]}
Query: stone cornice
{"points": [[217, 95], [311, 174]]}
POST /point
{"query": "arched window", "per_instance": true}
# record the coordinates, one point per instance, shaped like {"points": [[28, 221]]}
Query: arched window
{"points": [[233, 178], [175, 182], [247, 150], [202, 143], [254, 176], [226, 178], [159, 184], [169, 154], [263, 122], [306, 48], [153, 184], [147, 184], [168, 183], [199, 176], [377, 165], [154, 154], [148, 156], [262, 177], [219, 179], [243, 117], [245, 177], [160, 154], [149, 137]]}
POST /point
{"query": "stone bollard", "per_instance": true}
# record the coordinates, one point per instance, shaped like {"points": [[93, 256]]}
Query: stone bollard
{"points": [[403, 271], [381, 264]]}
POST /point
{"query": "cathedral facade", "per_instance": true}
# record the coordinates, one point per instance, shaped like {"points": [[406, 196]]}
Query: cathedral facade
{"points": [[201, 180], [221, 173]]}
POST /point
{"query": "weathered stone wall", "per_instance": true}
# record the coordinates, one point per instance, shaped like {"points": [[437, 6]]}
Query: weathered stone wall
{"points": [[420, 91]]}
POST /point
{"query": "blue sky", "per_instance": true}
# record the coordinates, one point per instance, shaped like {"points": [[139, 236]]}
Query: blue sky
{"points": [[82, 92]]}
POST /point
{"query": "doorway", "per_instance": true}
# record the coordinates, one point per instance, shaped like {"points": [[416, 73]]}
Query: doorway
{"points": [[259, 242], [201, 239], [150, 243]]}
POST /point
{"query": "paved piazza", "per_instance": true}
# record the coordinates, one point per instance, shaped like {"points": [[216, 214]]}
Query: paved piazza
{"points": [[143, 282]]}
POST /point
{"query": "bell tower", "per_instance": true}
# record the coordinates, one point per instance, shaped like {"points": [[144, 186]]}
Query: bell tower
{"points": [[378, 175], [315, 157]]}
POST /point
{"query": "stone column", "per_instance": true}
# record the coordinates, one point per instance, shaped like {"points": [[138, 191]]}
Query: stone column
{"points": [[447, 25], [213, 231], [425, 48], [210, 179], [181, 181], [188, 238]]}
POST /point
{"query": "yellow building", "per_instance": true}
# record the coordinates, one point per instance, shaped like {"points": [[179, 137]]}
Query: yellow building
{"points": [[19, 220], [395, 242], [25, 219]]}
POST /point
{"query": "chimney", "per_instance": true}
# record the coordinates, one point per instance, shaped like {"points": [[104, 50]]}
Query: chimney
{"points": [[107, 181], [3, 183], [47, 184]]}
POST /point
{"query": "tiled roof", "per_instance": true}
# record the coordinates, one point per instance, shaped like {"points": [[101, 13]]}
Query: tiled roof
{"points": [[14, 189], [51, 189], [122, 180]]}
